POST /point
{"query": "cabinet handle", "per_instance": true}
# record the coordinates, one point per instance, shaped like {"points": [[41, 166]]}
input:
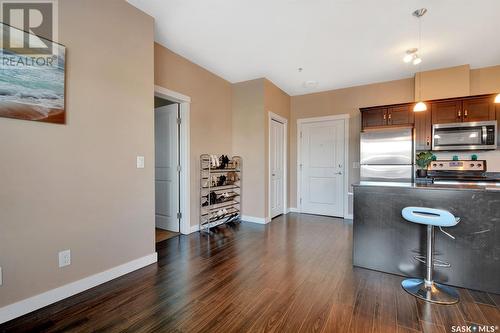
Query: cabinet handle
{"points": [[428, 141], [459, 113], [465, 113], [385, 116], [390, 114]]}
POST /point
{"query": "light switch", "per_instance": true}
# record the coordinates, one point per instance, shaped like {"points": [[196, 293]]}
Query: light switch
{"points": [[140, 162]]}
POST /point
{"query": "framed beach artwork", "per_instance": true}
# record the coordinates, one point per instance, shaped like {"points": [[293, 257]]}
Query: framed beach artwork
{"points": [[32, 81]]}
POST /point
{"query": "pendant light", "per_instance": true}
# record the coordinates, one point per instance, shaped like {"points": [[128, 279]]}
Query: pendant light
{"points": [[420, 106], [497, 99]]}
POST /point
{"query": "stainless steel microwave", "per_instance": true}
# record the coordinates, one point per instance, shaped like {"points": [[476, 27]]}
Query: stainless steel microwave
{"points": [[481, 135]]}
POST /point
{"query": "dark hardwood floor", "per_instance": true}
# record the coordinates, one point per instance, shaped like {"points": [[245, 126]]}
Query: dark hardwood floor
{"points": [[291, 275]]}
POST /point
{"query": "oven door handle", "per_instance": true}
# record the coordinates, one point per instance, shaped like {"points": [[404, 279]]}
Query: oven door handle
{"points": [[485, 134]]}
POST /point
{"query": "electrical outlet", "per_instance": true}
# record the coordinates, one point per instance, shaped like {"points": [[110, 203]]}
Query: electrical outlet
{"points": [[64, 258], [140, 162]]}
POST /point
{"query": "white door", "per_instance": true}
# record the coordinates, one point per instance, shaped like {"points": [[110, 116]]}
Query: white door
{"points": [[322, 168], [277, 157], [166, 161]]}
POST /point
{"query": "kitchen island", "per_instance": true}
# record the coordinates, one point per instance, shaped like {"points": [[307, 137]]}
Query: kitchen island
{"points": [[384, 241]]}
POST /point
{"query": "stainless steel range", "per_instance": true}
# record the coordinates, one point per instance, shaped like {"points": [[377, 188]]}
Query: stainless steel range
{"points": [[461, 171]]}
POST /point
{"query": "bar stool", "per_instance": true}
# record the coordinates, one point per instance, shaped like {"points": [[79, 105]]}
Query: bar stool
{"points": [[427, 289]]}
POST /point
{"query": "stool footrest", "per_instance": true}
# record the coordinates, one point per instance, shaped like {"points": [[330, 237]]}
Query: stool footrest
{"points": [[436, 262]]}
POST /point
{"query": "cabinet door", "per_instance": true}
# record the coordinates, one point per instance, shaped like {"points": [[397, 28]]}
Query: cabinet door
{"points": [[423, 130], [400, 115], [446, 112], [479, 109], [374, 117]]}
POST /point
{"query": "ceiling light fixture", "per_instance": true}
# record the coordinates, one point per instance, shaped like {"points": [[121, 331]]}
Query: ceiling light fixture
{"points": [[310, 84], [497, 99], [420, 106], [410, 55]]}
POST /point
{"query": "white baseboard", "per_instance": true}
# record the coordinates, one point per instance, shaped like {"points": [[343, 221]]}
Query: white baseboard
{"points": [[39, 301], [252, 219], [293, 210], [194, 228]]}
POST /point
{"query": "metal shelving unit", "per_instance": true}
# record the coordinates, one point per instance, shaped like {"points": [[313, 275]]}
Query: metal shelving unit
{"points": [[225, 204]]}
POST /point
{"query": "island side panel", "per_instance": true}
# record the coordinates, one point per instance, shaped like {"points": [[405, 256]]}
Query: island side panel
{"points": [[384, 241]]}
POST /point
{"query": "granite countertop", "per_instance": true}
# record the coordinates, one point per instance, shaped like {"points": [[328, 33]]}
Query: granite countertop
{"points": [[482, 186]]}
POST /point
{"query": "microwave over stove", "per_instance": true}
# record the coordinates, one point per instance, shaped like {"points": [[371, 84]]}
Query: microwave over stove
{"points": [[481, 135]]}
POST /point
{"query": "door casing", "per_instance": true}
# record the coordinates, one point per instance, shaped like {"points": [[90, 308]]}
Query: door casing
{"points": [[185, 184]]}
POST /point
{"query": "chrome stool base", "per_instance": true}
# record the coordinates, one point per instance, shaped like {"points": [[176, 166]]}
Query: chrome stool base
{"points": [[435, 293]]}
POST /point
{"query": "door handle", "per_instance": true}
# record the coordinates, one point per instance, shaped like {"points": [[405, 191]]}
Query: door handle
{"points": [[338, 173]]}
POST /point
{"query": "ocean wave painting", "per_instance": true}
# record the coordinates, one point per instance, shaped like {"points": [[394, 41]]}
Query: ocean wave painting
{"points": [[32, 87]]}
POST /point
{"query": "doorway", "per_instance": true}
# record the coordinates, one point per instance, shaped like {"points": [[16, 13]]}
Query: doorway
{"points": [[322, 173], [172, 193], [277, 165]]}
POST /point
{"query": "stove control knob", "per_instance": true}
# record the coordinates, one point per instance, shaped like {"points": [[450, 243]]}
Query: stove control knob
{"points": [[440, 165], [479, 165], [472, 165], [434, 165]]}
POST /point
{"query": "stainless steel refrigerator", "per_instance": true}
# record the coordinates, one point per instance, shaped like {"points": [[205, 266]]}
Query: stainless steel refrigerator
{"points": [[387, 155]]}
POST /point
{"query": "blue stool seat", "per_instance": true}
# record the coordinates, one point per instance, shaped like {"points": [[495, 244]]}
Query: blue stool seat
{"points": [[430, 216], [426, 288]]}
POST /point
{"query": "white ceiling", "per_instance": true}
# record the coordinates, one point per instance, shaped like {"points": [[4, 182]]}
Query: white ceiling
{"points": [[338, 43]]}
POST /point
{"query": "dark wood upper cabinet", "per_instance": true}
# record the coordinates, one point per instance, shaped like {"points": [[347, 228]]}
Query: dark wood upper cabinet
{"points": [[374, 117], [423, 130], [400, 115], [479, 109], [452, 110], [446, 112]]}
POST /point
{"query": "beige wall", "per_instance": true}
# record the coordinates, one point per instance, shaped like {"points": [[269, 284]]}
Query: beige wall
{"points": [[251, 103], [485, 80], [343, 101], [76, 186], [249, 143], [276, 101], [443, 83], [210, 113]]}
